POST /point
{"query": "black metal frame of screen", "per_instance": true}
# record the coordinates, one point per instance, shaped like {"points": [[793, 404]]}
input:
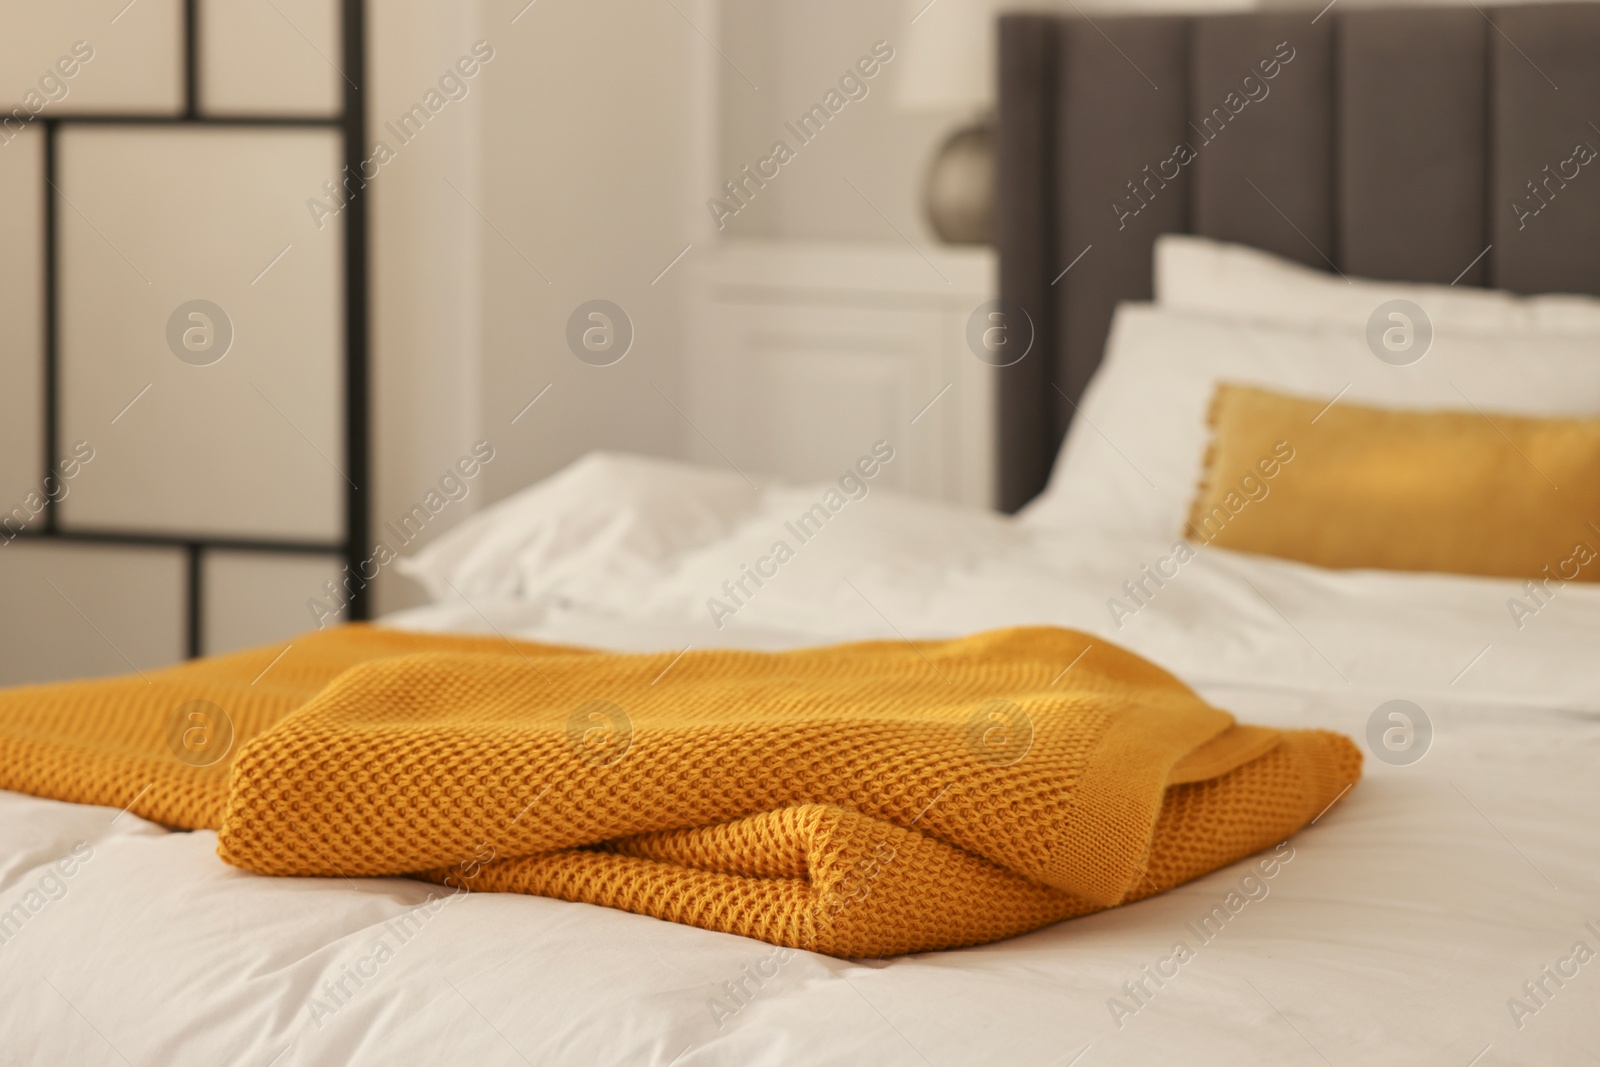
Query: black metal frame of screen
{"points": [[351, 121]]}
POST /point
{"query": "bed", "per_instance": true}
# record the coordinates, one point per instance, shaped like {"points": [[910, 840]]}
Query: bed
{"points": [[1447, 910]]}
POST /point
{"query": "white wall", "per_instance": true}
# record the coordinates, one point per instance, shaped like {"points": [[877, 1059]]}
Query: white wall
{"points": [[596, 118], [583, 151], [795, 52], [590, 144], [426, 311]]}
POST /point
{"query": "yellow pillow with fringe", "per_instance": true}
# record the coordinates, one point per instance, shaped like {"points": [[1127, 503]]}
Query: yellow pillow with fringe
{"points": [[1347, 486]]}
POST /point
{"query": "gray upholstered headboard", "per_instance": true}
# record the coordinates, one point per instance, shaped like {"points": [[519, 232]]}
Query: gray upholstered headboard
{"points": [[1394, 144]]}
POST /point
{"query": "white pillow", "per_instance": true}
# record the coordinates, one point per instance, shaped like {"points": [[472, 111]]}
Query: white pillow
{"points": [[1234, 281], [884, 540], [606, 522], [1133, 458]]}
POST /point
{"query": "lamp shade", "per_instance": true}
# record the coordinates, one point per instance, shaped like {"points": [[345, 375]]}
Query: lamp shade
{"points": [[947, 55]]}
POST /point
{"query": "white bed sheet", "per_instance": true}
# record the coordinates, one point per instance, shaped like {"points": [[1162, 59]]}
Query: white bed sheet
{"points": [[1409, 915], [890, 566]]}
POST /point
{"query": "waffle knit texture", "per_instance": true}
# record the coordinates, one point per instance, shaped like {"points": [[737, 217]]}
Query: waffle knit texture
{"points": [[859, 800]]}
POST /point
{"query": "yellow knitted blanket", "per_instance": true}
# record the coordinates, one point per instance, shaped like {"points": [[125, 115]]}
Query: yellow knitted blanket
{"points": [[859, 800]]}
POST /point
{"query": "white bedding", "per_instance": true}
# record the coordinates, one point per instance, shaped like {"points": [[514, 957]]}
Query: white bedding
{"points": [[1134, 458], [891, 566], [1408, 916]]}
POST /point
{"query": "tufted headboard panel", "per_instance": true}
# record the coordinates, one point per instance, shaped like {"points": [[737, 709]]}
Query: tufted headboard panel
{"points": [[1433, 145]]}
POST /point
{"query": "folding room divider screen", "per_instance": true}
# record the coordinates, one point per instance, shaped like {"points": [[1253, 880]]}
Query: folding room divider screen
{"points": [[183, 274]]}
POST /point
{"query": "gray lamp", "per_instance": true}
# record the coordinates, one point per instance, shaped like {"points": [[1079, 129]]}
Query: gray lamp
{"points": [[948, 67]]}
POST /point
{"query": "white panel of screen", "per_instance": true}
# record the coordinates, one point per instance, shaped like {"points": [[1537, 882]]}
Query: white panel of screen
{"points": [[82, 610], [202, 331], [277, 57], [74, 57]]}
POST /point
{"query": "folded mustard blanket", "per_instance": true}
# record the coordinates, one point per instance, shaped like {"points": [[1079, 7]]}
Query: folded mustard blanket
{"points": [[859, 800]]}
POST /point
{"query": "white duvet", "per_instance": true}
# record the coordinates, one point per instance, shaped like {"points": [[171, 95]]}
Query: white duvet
{"points": [[1444, 912]]}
